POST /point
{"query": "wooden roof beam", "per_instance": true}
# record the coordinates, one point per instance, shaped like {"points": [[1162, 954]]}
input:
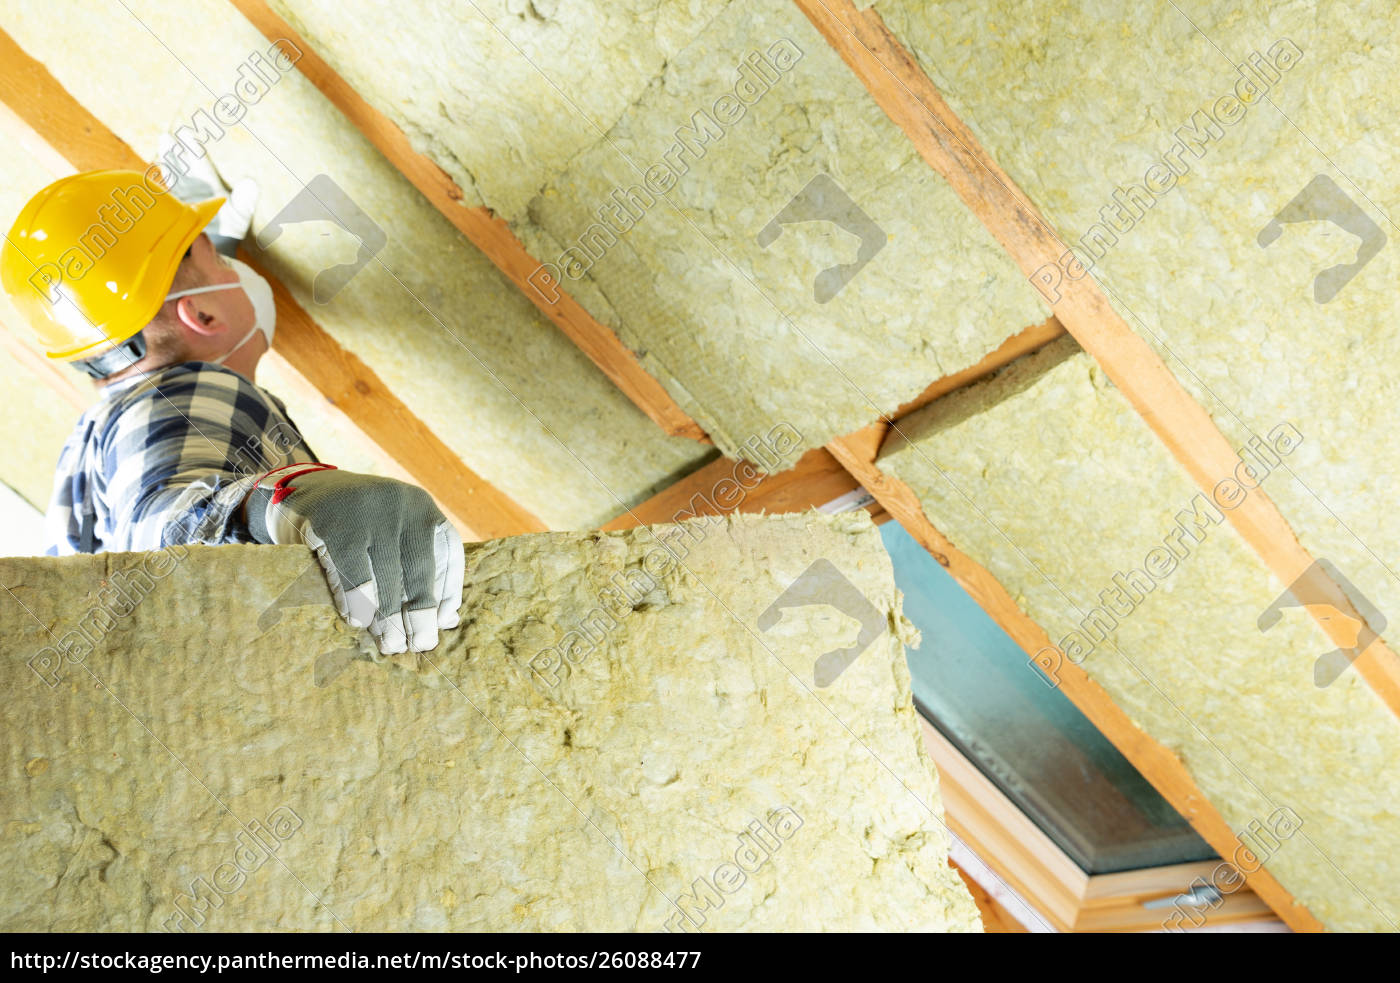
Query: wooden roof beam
{"points": [[726, 485]]}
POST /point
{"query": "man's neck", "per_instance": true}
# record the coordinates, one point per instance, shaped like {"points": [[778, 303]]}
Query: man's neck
{"points": [[145, 367]]}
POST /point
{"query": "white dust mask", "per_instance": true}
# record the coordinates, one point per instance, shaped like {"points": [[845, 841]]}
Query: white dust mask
{"points": [[259, 293]]}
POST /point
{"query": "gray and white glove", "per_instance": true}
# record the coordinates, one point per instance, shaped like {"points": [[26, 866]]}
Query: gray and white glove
{"points": [[193, 179], [394, 562]]}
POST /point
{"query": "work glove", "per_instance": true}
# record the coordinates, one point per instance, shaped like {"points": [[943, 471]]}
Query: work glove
{"points": [[193, 179], [394, 563]]}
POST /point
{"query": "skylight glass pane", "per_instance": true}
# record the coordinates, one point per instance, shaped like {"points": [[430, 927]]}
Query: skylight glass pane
{"points": [[978, 688]]}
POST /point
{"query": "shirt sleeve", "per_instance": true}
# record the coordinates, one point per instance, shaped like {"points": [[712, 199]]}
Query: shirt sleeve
{"points": [[181, 457]]}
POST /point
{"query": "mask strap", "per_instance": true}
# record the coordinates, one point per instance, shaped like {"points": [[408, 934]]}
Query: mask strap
{"points": [[203, 290], [224, 357], [246, 338]]}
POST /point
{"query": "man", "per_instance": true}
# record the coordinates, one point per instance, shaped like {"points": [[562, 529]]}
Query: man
{"points": [[122, 278]]}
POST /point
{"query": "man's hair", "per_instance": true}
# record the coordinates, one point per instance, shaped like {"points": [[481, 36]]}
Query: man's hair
{"points": [[163, 335]]}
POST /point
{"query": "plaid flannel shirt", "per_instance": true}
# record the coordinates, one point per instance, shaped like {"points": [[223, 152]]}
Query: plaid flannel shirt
{"points": [[167, 459]]}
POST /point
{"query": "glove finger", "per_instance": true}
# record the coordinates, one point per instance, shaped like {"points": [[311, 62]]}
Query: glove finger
{"points": [[422, 629], [388, 627], [334, 582], [389, 634], [452, 566], [334, 575], [352, 580], [355, 605], [416, 561], [420, 581], [387, 565], [362, 605]]}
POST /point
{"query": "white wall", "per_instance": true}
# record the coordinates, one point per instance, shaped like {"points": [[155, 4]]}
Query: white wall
{"points": [[21, 525]]}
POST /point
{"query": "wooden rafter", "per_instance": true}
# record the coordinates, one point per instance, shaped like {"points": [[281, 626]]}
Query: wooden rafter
{"points": [[50, 114], [914, 104], [484, 230], [725, 485]]}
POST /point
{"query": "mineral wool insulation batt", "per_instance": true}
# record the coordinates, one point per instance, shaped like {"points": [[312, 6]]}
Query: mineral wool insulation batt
{"points": [[555, 117], [1208, 161], [616, 738]]}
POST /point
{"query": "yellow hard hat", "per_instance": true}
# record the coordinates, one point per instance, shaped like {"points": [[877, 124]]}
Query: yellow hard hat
{"points": [[92, 256]]}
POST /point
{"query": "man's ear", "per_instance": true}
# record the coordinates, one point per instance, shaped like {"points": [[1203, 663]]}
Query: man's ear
{"points": [[198, 316]]}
